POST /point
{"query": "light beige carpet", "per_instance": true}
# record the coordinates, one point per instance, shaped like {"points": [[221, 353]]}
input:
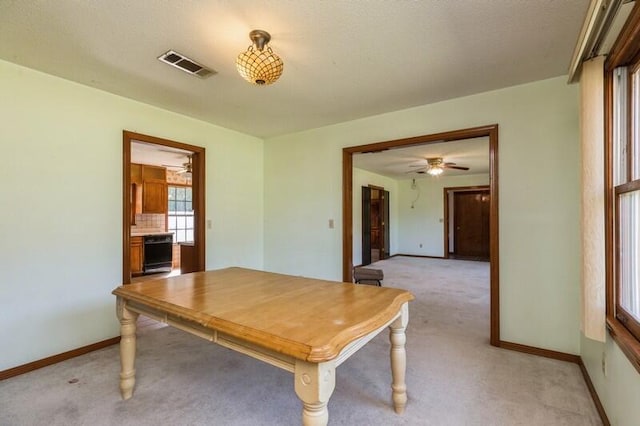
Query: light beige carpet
{"points": [[454, 377]]}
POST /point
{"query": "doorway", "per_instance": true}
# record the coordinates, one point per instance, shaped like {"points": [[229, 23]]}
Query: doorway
{"points": [[375, 224], [490, 131], [129, 203], [467, 225]]}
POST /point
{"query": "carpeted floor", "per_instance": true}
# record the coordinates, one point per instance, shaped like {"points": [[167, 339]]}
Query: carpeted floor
{"points": [[454, 376]]}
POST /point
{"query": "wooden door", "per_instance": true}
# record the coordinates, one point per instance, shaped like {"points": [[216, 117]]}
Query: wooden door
{"points": [[471, 224], [384, 251], [366, 225], [376, 224]]}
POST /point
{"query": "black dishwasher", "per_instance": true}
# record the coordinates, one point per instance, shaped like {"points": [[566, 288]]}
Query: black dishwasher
{"points": [[158, 253]]}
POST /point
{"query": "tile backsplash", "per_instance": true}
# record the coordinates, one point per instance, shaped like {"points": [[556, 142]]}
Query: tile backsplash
{"points": [[179, 178], [149, 222]]}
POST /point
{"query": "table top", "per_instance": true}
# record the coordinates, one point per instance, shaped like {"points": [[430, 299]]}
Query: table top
{"points": [[305, 318]]}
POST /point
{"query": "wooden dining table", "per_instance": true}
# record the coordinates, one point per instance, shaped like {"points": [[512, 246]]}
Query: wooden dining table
{"points": [[303, 325]]}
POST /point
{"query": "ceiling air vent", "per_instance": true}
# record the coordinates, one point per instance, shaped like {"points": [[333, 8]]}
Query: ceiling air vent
{"points": [[185, 64]]}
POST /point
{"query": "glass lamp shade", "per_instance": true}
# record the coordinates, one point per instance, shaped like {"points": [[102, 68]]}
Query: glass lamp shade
{"points": [[259, 67], [435, 170]]}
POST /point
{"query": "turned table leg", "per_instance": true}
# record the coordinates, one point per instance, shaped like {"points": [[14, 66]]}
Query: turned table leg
{"points": [[127, 348], [399, 359], [314, 384]]}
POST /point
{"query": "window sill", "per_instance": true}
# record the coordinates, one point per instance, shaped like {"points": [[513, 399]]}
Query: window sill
{"points": [[626, 341]]}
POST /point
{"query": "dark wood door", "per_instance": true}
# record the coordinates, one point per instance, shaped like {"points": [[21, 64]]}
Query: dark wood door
{"points": [[366, 225], [375, 224], [471, 224], [385, 226]]}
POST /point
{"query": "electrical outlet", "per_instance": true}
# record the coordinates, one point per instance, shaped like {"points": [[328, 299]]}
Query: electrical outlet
{"points": [[604, 364], [420, 245], [330, 223], [208, 223]]}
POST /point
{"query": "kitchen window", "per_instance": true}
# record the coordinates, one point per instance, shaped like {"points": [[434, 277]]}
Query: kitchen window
{"points": [[180, 213], [622, 99]]}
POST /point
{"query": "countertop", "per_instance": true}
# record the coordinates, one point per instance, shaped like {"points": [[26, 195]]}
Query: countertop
{"points": [[144, 233]]}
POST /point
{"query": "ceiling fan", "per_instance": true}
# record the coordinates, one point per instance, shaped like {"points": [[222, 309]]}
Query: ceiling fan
{"points": [[435, 166], [185, 168]]}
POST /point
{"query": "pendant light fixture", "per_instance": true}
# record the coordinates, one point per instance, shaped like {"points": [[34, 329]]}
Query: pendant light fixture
{"points": [[258, 64]]}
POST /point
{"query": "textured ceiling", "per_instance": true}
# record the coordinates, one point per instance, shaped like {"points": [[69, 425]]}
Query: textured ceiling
{"points": [[342, 59], [156, 155], [403, 163]]}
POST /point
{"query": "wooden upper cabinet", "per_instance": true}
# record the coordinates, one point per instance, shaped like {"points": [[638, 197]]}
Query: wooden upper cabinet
{"points": [[154, 197], [136, 201], [154, 173], [136, 173], [149, 189], [136, 197]]}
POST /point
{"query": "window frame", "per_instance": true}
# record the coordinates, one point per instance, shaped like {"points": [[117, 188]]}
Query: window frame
{"points": [[624, 53], [625, 318], [192, 214]]}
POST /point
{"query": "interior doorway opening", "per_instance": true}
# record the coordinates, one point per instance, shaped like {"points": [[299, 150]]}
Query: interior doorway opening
{"points": [[490, 131], [146, 194]]}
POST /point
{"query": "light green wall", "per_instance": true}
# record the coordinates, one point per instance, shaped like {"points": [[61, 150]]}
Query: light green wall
{"points": [[61, 215], [619, 388], [539, 199], [304, 196], [424, 223], [365, 178]]}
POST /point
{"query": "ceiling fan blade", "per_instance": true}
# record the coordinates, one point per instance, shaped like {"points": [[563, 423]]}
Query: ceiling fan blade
{"points": [[456, 167], [172, 165], [417, 165]]}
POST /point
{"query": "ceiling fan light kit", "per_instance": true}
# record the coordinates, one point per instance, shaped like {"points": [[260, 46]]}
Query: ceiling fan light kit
{"points": [[258, 64], [435, 167], [435, 170]]}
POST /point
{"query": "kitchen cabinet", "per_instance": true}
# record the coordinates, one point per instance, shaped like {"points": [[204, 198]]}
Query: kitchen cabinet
{"points": [[187, 258], [136, 198], [148, 189], [137, 255], [154, 173], [154, 196], [136, 173]]}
